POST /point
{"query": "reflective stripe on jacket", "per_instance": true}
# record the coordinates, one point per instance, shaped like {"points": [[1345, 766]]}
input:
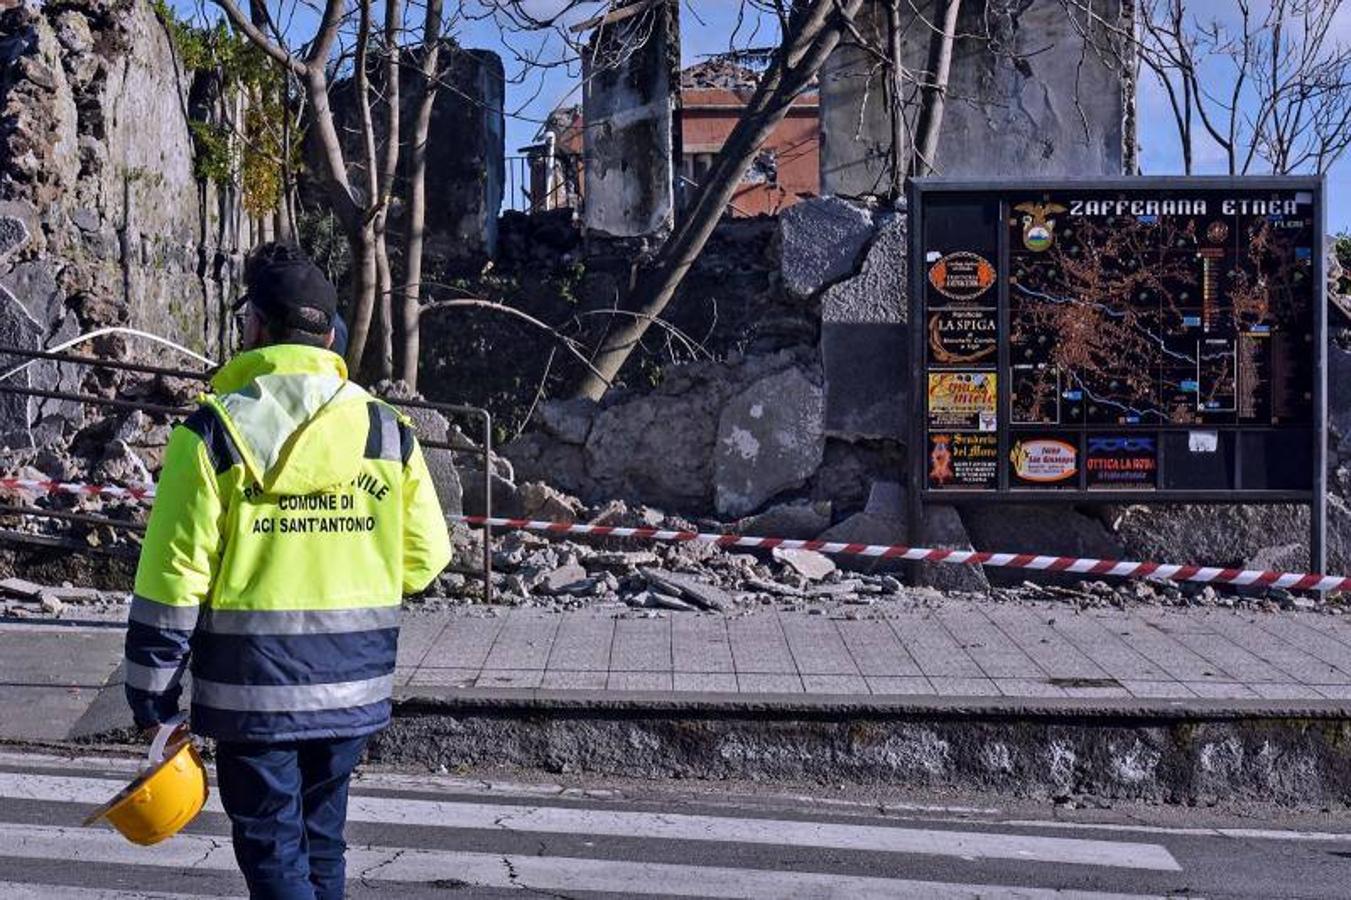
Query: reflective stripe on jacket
{"points": [[292, 513]]}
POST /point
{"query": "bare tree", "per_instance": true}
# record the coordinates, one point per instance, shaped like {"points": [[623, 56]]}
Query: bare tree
{"points": [[924, 160], [1267, 84], [416, 226], [310, 67], [810, 32]]}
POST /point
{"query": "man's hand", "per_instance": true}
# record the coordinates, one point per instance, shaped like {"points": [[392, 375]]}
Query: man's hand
{"points": [[180, 733]]}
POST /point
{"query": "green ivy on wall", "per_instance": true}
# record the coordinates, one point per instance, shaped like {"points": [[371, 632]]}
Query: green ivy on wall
{"points": [[251, 153]]}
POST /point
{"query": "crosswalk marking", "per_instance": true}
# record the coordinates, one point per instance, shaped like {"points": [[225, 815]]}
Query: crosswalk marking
{"points": [[674, 826], [13, 890], [538, 873]]}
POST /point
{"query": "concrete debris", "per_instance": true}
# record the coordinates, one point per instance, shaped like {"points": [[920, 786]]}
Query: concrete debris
{"points": [[540, 502], [18, 587], [701, 593], [799, 520], [563, 579], [808, 563], [823, 239], [659, 600], [24, 599]]}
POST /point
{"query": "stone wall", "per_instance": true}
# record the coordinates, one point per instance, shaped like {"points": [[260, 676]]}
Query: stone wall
{"points": [[102, 221], [1032, 91]]}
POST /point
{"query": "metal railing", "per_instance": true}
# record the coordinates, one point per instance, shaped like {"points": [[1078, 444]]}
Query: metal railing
{"points": [[449, 410], [530, 186]]}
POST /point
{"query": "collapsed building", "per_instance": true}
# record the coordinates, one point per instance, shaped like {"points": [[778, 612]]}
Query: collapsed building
{"points": [[792, 415]]}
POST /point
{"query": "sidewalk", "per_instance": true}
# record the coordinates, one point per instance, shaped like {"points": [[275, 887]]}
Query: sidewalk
{"points": [[961, 650], [63, 680]]}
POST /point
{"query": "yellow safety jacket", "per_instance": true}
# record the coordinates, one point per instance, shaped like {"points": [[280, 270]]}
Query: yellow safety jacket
{"points": [[292, 513]]}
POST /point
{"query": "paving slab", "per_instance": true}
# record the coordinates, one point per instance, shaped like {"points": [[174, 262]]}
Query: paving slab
{"points": [[899, 686], [758, 645], [642, 645], [699, 644], [933, 647], [876, 650], [997, 655], [583, 644], [524, 641], [817, 647]]}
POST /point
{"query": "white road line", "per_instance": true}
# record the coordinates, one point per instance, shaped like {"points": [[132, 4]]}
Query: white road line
{"points": [[539, 873], [1259, 834], [14, 890], [674, 826], [437, 785]]}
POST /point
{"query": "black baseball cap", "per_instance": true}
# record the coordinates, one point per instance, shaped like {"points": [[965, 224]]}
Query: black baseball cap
{"points": [[288, 289]]}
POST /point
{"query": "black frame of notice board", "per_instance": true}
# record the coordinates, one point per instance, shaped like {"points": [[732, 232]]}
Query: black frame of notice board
{"points": [[1014, 190]]}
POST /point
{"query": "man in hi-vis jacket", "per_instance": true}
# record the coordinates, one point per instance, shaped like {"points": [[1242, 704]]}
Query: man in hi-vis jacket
{"points": [[292, 513]]}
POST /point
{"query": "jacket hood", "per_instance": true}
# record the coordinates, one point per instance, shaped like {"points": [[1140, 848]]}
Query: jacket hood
{"points": [[299, 424]]}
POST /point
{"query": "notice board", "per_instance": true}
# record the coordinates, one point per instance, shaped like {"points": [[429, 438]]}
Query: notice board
{"points": [[1126, 340]]}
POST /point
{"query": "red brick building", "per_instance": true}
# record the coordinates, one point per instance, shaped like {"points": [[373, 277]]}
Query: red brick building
{"points": [[787, 167], [712, 95]]}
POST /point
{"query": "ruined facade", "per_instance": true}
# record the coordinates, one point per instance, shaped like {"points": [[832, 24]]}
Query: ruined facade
{"points": [[465, 154], [629, 81]]}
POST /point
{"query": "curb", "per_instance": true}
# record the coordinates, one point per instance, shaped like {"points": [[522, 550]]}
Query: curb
{"points": [[683, 704]]}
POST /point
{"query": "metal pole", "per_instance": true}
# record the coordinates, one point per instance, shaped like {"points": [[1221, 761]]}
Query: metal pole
{"points": [[487, 506], [105, 363], [1318, 506]]}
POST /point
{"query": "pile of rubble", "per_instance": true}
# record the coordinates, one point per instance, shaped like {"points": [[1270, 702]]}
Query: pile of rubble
{"points": [[121, 448], [532, 569], [22, 599]]}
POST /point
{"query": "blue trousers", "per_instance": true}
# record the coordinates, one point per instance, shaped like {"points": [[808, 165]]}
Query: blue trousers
{"points": [[287, 804]]}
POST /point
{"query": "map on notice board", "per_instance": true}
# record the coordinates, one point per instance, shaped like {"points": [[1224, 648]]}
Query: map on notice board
{"points": [[1191, 312]]}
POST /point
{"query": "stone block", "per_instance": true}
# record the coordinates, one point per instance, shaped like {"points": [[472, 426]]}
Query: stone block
{"points": [[17, 329], [34, 285], [432, 425], [822, 241], [867, 380], [770, 439], [1049, 103], [13, 235], [856, 132], [1050, 530], [865, 342], [568, 420], [1339, 393], [943, 528], [656, 449], [877, 294], [885, 521], [801, 520]]}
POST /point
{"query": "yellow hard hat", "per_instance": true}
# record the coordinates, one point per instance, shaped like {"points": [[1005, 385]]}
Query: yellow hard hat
{"points": [[164, 798]]}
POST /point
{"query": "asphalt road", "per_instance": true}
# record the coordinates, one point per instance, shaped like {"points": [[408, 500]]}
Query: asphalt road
{"points": [[420, 835]]}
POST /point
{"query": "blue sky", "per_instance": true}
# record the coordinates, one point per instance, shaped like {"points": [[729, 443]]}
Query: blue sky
{"points": [[711, 26]]}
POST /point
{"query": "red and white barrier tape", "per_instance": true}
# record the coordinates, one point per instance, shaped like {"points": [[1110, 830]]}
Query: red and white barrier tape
{"points": [[47, 486], [1077, 565], [1081, 566]]}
